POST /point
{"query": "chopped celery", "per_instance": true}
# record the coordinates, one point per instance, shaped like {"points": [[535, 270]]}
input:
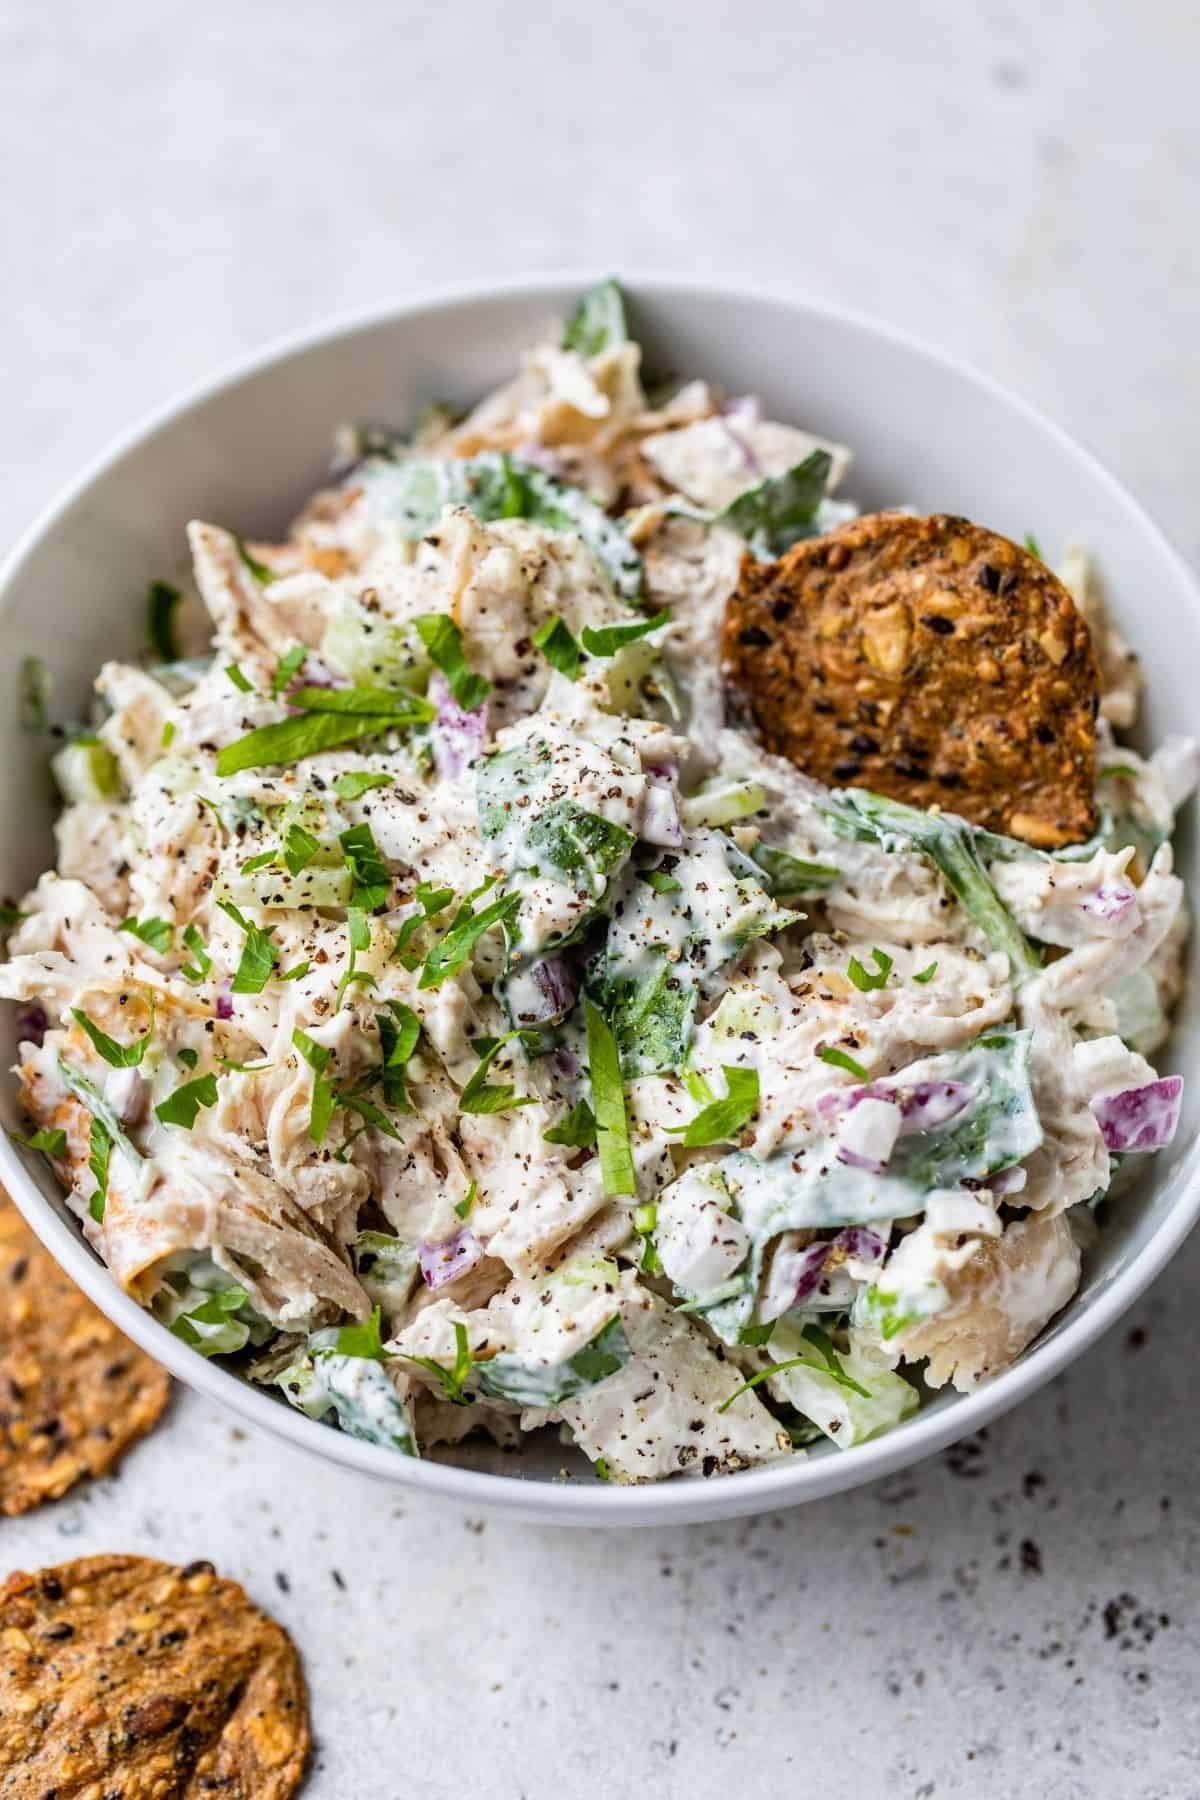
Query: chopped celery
{"points": [[86, 770], [860, 1398], [715, 804], [509, 1378]]}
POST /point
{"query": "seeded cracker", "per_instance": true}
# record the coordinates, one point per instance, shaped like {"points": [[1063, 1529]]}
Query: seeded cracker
{"points": [[928, 659], [74, 1393], [124, 1676]]}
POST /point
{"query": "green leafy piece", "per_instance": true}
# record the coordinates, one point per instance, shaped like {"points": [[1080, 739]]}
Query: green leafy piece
{"points": [[201, 962], [239, 679], [120, 1056], [823, 1344], [157, 933], [259, 570], [259, 955], [399, 1029], [356, 1389], [652, 1016], [308, 733], [324, 1099], [168, 734], [867, 981], [182, 1108], [369, 872], [443, 640], [100, 1154], [413, 494], [10, 915], [521, 1383], [288, 667], [660, 882], [480, 1096], [187, 1057], [577, 1130], [463, 1207], [356, 782], [94, 1102], [721, 1120], [355, 1101], [757, 1335], [451, 952], [1033, 547], [299, 848], [213, 1327], [608, 1104], [431, 901], [778, 512], [559, 647], [364, 1339], [162, 602], [451, 1381], [579, 846], [395, 704], [539, 834], [52, 1143], [598, 322], [35, 694], [838, 1059], [788, 874], [387, 1267], [926, 974], [997, 1130], [1123, 771], [949, 843], [261, 861], [606, 640]]}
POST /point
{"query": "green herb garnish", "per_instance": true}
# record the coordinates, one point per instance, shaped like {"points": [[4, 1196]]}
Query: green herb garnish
{"points": [[480, 1096], [120, 1056], [259, 570], [560, 649], [722, 1120], [608, 1104], [839, 1060], [450, 1380], [100, 1145], [577, 1130], [443, 640], [239, 679], [288, 667], [259, 955], [162, 601], [157, 933], [868, 980], [53, 1143], [182, 1107], [463, 1208], [357, 782], [451, 952], [606, 640], [202, 961], [926, 974], [598, 322], [399, 1029]]}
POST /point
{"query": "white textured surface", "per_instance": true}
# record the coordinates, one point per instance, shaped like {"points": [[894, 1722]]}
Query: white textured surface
{"points": [[1016, 183]]}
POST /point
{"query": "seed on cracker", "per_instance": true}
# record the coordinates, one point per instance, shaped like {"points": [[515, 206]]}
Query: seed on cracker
{"points": [[928, 659], [124, 1675], [74, 1393]]}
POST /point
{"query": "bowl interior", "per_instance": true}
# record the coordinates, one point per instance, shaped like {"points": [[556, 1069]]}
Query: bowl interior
{"points": [[246, 454]]}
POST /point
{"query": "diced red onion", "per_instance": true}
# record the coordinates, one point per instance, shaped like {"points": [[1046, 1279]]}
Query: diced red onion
{"points": [[1008, 1181], [32, 1023], [544, 991], [457, 737], [924, 1107], [860, 1242], [746, 408], [1141, 1118], [749, 460], [1109, 902], [868, 1132], [795, 1274], [444, 1262], [224, 1005]]}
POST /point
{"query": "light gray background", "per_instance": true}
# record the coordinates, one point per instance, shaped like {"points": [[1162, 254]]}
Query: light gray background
{"points": [[1019, 184]]}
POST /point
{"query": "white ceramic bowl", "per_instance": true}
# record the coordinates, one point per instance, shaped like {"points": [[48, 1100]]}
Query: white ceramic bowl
{"points": [[246, 450]]}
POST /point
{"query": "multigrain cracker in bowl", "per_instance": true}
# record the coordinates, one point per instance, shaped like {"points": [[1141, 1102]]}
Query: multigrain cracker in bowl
{"points": [[124, 1675], [928, 659], [74, 1393]]}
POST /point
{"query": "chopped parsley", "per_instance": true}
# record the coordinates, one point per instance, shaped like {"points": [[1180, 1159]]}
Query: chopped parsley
{"points": [[867, 980], [838, 1059], [559, 647], [608, 1103], [661, 882], [721, 1120], [482, 1096], [120, 1056], [201, 964], [183, 1106], [368, 871], [463, 1208], [577, 1129], [399, 1029], [239, 679], [356, 782], [259, 570], [324, 1099], [926, 974], [100, 1145], [451, 1380], [259, 955], [443, 640], [53, 1143], [288, 667], [157, 933], [467, 927], [606, 640]]}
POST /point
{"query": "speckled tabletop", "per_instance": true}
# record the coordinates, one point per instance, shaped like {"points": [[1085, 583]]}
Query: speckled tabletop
{"points": [[1016, 182]]}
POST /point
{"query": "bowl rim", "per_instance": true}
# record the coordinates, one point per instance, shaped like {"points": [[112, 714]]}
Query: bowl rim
{"points": [[788, 1482]]}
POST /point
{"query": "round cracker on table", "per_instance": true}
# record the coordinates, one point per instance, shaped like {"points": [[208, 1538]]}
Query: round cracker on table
{"points": [[74, 1393], [927, 659], [127, 1676]]}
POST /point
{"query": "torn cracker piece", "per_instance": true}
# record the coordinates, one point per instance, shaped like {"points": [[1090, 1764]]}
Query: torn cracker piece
{"points": [[74, 1393], [125, 1675], [927, 659]]}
